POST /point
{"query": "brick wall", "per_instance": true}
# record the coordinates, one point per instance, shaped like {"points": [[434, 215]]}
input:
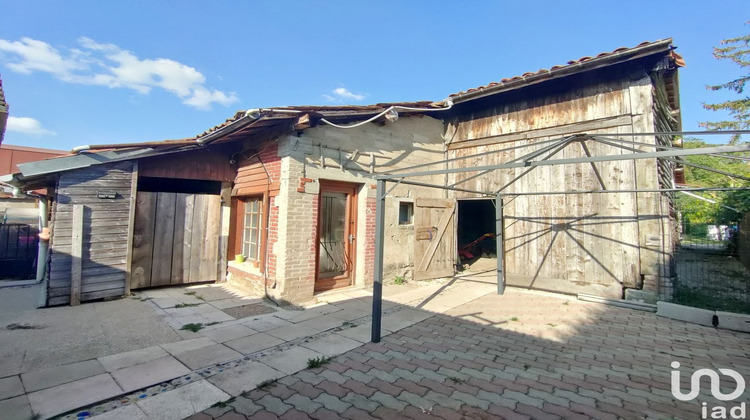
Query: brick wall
{"points": [[246, 280], [270, 157], [252, 180], [273, 237], [301, 219], [370, 240]]}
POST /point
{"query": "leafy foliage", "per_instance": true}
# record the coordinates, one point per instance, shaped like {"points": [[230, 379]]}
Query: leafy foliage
{"points": [[736, 50], [194, 327], [318, 362], [728, 207]]}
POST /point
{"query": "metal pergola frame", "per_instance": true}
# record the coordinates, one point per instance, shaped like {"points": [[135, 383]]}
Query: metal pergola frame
{"points": [[542, 156]]}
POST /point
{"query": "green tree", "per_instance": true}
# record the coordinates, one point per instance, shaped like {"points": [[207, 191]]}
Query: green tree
{"points": [[729, 205], [736, 50]]}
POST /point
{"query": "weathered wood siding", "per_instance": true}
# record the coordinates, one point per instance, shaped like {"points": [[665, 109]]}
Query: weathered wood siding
{"points": [[592, 243], [200, 165], [253, 179], [105, 229], [175, 239]]}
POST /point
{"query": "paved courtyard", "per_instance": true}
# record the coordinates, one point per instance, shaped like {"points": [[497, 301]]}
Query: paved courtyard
{"points": [[450, 349], [520, 355]]}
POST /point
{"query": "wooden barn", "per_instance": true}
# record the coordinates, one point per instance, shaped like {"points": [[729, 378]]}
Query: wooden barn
{"points": [[283, 200], [581, 243]]}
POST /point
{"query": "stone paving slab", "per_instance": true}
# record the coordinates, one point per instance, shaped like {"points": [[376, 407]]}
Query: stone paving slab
{"points": [[146, 374], [226, 303], [71, 395], [217, 316], [182, 402], [310, 313], [253, 343], [129, 412], [350, 314], [294, 331], [292, 360], [361, 333], [244, 378], [332, 345], [404, 318], [228, 333], [131, 358], [16, 408], [10, 387], [180, 347], [47, 378], [206, 356]]}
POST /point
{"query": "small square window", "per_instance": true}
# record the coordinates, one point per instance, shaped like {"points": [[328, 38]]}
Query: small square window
{"points": [[405, 213]]}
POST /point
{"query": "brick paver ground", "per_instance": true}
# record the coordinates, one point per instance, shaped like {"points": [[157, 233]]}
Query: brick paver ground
{"points": [[520, 355]]}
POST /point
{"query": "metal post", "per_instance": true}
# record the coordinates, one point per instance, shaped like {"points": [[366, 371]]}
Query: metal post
{"points": [[377, 286], [499, 241]]}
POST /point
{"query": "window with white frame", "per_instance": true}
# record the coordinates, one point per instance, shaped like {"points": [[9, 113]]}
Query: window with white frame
{"points": [[251, 209]]}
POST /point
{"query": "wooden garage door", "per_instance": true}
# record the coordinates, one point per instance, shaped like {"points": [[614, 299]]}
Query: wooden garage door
{"points": [[175, 239], [435, 238]]}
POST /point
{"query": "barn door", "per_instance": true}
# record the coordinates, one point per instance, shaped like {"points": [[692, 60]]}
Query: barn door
{"points": [[175, 239], [435, 238]]}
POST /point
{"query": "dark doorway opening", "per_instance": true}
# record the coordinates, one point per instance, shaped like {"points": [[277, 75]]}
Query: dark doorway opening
{"points": [[476, 229]]}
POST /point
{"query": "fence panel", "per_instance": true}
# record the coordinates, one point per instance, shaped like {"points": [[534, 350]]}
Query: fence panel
{"points": [[18, 251], [710, 273]]}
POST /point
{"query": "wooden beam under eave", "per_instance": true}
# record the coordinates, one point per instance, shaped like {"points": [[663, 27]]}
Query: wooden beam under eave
{"points": [[302, 123]]}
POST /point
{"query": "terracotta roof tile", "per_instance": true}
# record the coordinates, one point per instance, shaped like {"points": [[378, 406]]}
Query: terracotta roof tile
{"points": [[559, 67]]}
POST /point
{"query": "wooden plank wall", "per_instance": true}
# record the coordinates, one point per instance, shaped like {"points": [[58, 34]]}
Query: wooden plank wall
{"points": [[176, 239], [435, 239], [572, 243], [253, 179], [201, 165], [105, 227]]}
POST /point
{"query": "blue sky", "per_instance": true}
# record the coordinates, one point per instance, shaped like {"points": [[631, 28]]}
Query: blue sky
{"points": [[97, 72]]}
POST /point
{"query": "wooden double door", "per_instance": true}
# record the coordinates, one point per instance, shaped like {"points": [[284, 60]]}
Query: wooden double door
{"points": [[175, 239]]}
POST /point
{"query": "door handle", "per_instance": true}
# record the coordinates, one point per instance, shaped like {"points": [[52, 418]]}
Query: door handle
{"points": [[351, 238]]}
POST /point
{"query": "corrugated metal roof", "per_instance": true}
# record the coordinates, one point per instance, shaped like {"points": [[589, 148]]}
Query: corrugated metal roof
{"points": [[575, 66]]}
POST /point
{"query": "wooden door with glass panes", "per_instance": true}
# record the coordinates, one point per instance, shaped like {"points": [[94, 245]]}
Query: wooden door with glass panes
{"points": [[337, 227]]}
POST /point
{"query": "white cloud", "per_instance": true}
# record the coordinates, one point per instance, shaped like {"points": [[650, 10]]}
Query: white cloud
{"points": [[29, 126], [39, 56], [342, 94], [109, 65]]}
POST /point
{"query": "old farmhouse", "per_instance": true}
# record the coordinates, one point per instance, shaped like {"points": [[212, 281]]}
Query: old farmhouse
{"points": [[282, 200]]}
